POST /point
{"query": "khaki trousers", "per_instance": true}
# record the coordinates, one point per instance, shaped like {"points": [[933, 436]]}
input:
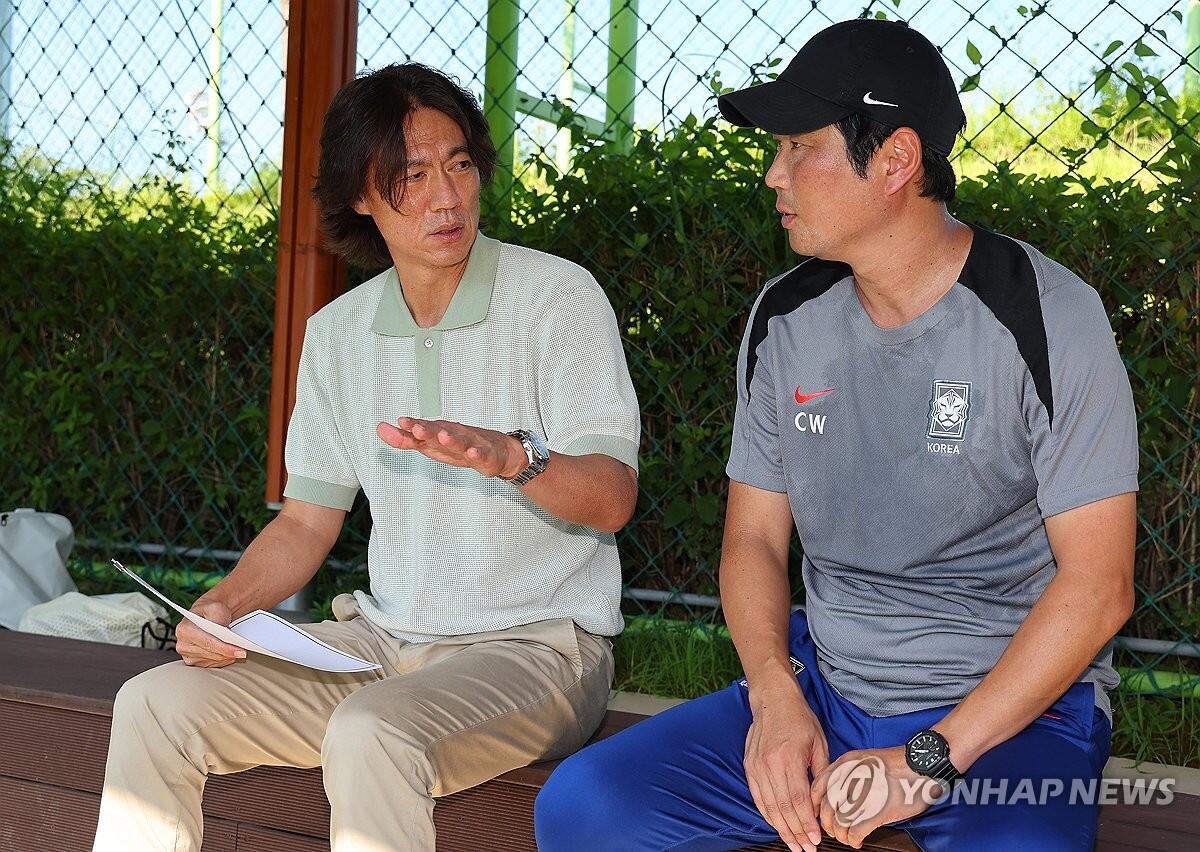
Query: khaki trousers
{"points": [[440, 717]]}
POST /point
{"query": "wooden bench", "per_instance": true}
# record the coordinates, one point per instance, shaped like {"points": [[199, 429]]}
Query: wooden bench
{"points": [[55, 710]]}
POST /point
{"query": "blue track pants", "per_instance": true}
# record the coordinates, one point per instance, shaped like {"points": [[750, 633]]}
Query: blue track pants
{"points": [[676, 782]]}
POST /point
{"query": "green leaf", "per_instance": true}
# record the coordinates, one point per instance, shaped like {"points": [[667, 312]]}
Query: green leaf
{"points": [[677, 511], [1108, 51], [970, 83], [1143, 50], [1186, 284], [1102, 79], [973, 53]]}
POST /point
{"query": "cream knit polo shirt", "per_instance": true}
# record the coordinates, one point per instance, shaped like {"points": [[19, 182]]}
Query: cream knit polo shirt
{"points": [[528, 341]]}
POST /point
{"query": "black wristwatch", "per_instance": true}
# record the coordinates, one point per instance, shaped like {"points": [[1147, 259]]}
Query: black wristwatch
{"points": [[928, 754]]}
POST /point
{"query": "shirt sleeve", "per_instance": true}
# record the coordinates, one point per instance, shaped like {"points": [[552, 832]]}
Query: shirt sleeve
{"points": [[318, 464], [585, 396], [1086, 449], [755, 457]]}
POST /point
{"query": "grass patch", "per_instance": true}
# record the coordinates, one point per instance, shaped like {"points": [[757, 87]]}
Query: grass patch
{"points": [[681, 660], [674, 658], [1156, 728]]}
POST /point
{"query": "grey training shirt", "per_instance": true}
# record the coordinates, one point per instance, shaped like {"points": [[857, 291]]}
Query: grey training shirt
{"points": [[920, 461]]}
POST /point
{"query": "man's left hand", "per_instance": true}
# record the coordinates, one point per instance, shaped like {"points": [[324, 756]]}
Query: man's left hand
{"points": [[489, 452], [865, 789]]}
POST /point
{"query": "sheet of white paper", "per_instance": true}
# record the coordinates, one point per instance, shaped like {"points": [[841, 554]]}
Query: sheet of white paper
{"points": [[267, 633], [289, 642]]}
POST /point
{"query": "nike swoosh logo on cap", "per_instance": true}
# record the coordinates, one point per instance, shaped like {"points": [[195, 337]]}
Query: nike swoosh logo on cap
{"points": [[867, 99], [805, 397]]}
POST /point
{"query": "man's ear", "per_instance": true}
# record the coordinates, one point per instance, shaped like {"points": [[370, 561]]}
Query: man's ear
{"points": [[360, 207], [902, 159]]}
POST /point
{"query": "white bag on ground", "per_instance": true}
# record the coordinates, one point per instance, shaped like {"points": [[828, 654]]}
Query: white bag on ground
{"points": [[117, 618], [33, 561]]}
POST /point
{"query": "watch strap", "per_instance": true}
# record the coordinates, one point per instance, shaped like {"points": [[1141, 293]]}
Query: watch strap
{"points": [[537, 462], [944, 773]]}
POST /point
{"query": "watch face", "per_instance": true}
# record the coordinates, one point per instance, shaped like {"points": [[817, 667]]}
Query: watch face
{"points": [[539, 447], [925, 750]]}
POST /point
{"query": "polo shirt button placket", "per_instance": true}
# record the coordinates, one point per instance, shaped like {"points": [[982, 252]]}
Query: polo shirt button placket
{"points": [[429, 373]]}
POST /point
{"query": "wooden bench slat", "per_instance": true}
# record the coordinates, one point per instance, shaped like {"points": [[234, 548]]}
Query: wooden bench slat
{"points": [[1169, 828], [56, 705], [253, 838], [275, 797], [37, 817], [69, 673], [34, 745], [1181, 816]]}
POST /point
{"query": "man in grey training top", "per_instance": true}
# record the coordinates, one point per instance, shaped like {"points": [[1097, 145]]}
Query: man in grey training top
{"points": [[942, 414]]}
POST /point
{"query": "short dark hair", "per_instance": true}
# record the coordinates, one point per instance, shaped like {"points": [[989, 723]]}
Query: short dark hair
{"points": [[363, 137], [864, 136]]}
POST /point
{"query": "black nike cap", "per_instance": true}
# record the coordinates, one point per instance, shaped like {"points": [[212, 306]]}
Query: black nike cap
{"points": [[885, 70]]}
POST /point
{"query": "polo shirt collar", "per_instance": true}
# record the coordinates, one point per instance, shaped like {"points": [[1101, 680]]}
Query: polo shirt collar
{"points": [[468, 306]]}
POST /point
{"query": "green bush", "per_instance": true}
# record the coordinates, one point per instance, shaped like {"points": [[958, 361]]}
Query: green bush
{"points": [[135, 358], [137, 348]]}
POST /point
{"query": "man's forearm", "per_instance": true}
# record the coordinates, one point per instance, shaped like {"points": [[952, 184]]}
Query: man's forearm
{"points": [[1062, 634], [756, 599], [595, 490], [277, 564]]}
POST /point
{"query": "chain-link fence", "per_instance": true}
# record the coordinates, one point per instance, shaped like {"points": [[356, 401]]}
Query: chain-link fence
{"points": [[139, 173], [139, 216]]}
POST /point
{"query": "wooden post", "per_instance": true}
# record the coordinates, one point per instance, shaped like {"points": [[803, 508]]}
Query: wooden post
{"points": [[320, 60]]}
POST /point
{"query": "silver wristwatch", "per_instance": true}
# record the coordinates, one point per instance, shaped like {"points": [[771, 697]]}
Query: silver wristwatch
{"points": [[537, 453]]}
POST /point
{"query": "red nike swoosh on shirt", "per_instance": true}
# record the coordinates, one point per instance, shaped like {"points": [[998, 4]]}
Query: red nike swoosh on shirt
{"points": [[805, 397]]}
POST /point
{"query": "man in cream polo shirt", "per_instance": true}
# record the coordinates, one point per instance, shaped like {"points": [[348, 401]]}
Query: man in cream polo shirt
{"points": [[476, 392], [528, 339]]}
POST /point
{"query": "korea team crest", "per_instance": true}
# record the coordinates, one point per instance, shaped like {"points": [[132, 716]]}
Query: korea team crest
{"points": [[949, 409]]}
